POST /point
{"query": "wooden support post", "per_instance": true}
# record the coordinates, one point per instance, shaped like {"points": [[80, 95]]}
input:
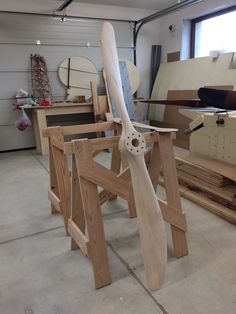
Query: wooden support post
{"points": [[77, 205], [154, 166], [36, 131], [172, 191], [108, 95], [96, 110], [95, 99], [42, 124], [97, 246], [116, 159], [62, 173], [53, 179]]}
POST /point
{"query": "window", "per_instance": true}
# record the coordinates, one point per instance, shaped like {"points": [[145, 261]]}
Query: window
{"points": [[213, 32]]}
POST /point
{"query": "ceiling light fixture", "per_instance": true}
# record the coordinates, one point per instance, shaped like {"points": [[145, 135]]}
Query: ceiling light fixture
{"points": [[61, 18]]}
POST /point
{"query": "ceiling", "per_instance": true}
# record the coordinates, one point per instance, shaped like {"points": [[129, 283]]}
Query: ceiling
{"points": [[142, 4], [136, 9]]}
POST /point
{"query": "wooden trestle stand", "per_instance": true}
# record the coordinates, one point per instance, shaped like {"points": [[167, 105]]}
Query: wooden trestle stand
{"points": [[80, 201]]}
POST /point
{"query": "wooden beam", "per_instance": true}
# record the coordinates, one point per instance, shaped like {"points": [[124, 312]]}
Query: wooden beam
{"points": [[55, 201], [83, 128], [78, 237], [172, 216]]}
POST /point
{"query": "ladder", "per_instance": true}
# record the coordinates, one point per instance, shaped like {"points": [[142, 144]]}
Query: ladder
{"points": [[41, 88]]}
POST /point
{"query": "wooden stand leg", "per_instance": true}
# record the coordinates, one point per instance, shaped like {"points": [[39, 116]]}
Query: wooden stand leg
{"points": [[115, 163], [62, 173], [97, 246], [53, 180], [42, 124], [77, 205], [36, 131], [131, 203], [154, 167], [172, 192], [63, 179], [96, 108]]}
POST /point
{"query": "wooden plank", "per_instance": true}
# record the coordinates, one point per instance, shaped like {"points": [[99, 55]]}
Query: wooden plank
{"points": [[53, 179], [105, 178], [42, 124], [83, 128], [55, 201], [81, 240], [219, 167], [185, 166], [36, 132], [173, 118], [205, 202], [103, 104], [155, 165], [104, 143], [109, 116], [105, 195], [92, 210], [54, 111], [110, 142], [173, 56], [172, 192], [59, 105], [224, 193], [108, 95], [115, 160], [77, 204], [216, 208], [172, 216], [56, 142], [62, 175], [93, 85]]}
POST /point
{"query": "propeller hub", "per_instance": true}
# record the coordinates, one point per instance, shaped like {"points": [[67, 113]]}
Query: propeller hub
{"points": [[135, 143]]}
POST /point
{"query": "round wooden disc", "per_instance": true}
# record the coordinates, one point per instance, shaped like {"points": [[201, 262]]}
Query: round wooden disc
{"points": [[80, 72]]}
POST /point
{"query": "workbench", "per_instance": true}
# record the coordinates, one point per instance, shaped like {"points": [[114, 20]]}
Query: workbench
{"points": [[40, 114]]}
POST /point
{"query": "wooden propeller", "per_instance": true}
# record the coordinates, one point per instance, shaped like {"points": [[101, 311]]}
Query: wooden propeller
{"points": [[132, 146]]}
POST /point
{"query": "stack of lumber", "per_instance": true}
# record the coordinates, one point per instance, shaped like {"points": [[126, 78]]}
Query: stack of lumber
{"points": [[208, 182]]}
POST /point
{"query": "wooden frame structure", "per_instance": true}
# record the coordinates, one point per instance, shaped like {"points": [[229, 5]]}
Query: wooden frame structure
{"points": [[82, 211], [59, 192]]}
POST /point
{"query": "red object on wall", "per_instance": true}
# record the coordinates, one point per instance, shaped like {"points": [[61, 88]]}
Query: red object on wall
{"points": [[44, 103]]}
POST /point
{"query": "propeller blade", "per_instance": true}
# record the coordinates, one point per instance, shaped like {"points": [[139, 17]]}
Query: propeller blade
{"points": [[132, 147]]}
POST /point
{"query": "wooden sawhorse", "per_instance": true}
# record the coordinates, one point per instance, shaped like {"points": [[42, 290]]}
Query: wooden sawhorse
{"points": [[87, 175], [59, 192]]}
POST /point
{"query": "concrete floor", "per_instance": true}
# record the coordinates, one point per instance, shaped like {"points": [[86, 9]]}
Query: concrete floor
{"points": [[40, 274]]}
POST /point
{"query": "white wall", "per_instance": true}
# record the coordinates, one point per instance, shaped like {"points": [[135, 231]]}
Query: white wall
{"points": [[157, 32]]}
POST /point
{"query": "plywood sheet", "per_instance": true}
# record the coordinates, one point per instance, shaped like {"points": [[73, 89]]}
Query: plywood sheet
{"points": [[190, 74]]}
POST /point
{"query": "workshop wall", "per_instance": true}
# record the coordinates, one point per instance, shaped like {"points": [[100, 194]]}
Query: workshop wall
{"points": [[18, 35]]}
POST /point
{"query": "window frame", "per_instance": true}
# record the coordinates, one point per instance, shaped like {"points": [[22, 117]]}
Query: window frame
{"points": [[203, 18]]}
